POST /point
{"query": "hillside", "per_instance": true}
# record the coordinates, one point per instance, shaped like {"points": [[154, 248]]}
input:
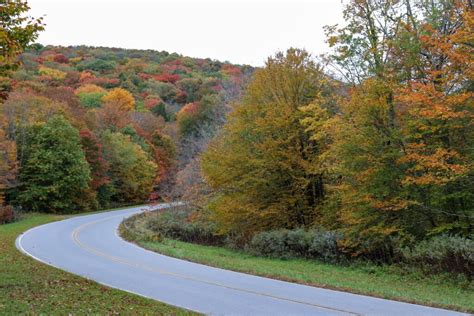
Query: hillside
{"points": [[156, 108]]}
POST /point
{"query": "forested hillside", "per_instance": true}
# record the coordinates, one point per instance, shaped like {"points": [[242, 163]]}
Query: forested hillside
{"points": [[84, 128]]}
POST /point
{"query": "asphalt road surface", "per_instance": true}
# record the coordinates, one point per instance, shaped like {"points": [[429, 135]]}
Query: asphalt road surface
{"points": [[89, 246]]}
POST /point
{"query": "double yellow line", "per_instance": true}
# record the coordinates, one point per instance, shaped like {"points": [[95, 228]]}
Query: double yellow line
{"points": [[99, 253]]}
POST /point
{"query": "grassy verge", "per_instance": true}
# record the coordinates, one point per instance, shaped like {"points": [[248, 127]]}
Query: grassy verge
{"points": [[389, 282], [30, 287]]}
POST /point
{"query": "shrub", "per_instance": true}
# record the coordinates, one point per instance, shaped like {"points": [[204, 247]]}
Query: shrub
{"points": [[443, 253], [315, 244], [270, 244], [6, 214], [175, 225], [324, 246]]}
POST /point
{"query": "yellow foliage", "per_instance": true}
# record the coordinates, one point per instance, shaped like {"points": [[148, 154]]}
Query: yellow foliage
{"points": [[264, 166], [52, 73], [119, 98], [89, 88]]}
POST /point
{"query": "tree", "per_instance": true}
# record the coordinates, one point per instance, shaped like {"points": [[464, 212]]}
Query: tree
{"points": [[120, 98], [91, 100], [194, 116], [166, 91], [51, 73], [23, 109], [8, 168], [438, 112], [55, 171], [99, 167], [160, 111], [165, 157], [131, 171], [261, 165], [191, 86], [400, 161], [90, 95], [96, 65], [17, 31], [364, 196]]}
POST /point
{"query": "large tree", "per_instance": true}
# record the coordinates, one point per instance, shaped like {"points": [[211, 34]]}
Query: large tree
{"points": [[262, 166], [55, 171]]}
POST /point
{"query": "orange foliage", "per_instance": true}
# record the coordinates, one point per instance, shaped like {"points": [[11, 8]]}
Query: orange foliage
{"points": [[188, 109], [85, 75]]}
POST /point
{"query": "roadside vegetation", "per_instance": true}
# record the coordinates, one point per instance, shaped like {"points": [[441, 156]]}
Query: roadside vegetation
{"points": [[30, 287], [164, 232]]}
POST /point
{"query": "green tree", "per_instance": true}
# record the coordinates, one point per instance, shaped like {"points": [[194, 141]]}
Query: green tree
{"points": [[55, 171], [132, 173], [91, 100]]}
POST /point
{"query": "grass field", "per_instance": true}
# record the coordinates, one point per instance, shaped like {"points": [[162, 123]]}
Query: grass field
{"points": [[30, 287], [386, 282]]}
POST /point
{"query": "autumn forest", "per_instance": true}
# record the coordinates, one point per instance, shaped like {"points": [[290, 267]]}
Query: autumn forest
{"points": [[366, 152]]}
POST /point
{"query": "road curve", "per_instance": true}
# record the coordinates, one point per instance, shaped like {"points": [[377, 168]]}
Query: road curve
{"points": [[89, 246]]}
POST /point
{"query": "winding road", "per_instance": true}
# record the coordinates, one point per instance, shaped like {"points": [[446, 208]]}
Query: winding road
{"points": [[89, 246]]}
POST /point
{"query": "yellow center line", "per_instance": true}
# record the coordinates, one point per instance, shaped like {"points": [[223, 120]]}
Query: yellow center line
{"points": [[75, 238]]}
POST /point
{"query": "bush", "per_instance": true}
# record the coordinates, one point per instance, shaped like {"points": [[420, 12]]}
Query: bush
{"points": [[324, 246], [6, 214], [314, 244], [175, 225], [271, 244], [443, 253]]}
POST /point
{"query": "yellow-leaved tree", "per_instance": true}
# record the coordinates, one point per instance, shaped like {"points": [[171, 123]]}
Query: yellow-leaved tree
{"points": [[264, 166], [119, 98]]}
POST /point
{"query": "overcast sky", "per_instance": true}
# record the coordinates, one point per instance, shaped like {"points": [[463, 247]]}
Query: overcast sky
{"points": [[244, 32]]}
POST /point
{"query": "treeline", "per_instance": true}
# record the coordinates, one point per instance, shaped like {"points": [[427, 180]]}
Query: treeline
{"points": [[384, 156], [83, 128]]}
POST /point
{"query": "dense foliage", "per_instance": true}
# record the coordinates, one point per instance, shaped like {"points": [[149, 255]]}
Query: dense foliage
{"points": [[84, 127], [264, 164], [54, 170], [384, 157]]}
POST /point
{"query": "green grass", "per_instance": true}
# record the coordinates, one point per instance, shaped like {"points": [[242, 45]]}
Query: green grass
{"points": [[30, 287], [386, 282]]}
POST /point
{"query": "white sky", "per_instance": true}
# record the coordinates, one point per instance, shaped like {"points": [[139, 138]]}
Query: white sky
{"points": [[244, 32]]}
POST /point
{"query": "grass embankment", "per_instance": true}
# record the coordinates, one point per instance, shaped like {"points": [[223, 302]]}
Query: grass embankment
{"points": [[389, 282], [30, 287]]}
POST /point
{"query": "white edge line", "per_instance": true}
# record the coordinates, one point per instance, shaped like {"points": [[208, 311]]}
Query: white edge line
{"points": [[20, 247], [168, 205], [117, 234]]}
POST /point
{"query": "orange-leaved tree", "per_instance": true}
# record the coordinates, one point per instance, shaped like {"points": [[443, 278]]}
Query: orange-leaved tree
{"points": [[401, 161]]}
